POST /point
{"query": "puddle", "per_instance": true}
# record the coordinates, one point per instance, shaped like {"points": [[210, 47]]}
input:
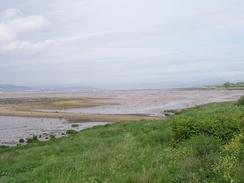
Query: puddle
{"points": [[12, 129]]}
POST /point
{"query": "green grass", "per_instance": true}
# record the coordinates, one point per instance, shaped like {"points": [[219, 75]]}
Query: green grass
{"points": [[202, 144]]}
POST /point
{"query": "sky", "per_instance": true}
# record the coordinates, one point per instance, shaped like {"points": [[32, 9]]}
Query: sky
{"points": [[121, 43]]}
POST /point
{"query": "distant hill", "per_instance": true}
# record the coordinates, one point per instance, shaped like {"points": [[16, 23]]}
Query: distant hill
{"points": [[6, 87], [65, 88], [14, 88]]}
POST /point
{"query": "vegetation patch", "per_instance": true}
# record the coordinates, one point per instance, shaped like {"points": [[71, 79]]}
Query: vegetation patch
{"points": [[229, 85], [228, 167], [33, 139], [71, 132], [241, 101]]}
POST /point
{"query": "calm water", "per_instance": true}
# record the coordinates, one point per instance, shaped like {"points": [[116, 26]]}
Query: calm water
{"points": [[14, 128]]}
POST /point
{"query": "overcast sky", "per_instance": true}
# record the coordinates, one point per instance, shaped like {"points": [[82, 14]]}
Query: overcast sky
{"points": [[121, 43]]}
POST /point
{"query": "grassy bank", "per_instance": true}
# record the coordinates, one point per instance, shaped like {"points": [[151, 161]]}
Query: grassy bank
{"points": [[203, 144]]}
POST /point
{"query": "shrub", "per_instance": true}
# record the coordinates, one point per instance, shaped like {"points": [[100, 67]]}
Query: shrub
{"points": [[223, 126], [241, 101], [227, 84], [226, 168]]}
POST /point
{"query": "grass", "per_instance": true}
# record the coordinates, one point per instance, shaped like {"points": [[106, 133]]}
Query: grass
{"points": [[202, 144]]}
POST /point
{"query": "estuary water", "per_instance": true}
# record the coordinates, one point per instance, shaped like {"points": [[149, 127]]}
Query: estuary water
{"points": [[12, 129]]}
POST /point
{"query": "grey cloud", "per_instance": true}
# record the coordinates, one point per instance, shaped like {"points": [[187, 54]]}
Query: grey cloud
{"points": [[104, 42]]}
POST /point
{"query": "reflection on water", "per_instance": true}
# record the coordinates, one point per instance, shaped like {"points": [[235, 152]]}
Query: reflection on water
{"points": [[14, 128]]}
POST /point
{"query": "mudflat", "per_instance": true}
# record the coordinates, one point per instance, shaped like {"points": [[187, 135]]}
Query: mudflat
{"points": [[108, 105]]}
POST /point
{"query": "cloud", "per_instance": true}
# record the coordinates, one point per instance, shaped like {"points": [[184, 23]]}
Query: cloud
{"points": [[11, 28], [23, 46], [10, 13], [26, 24], [14, 24], [104, 42]]}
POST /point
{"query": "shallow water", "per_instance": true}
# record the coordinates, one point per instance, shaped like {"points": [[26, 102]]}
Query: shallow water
{"points": [[14, 128]]}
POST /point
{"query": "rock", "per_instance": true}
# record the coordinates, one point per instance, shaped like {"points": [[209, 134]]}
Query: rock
{"points": [[45, 134], [74, 125], [168, 113], [21, 140]]}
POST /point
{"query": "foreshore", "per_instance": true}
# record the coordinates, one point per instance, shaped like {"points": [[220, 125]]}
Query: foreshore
{"points": [[108, 106], [76, 117]]}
